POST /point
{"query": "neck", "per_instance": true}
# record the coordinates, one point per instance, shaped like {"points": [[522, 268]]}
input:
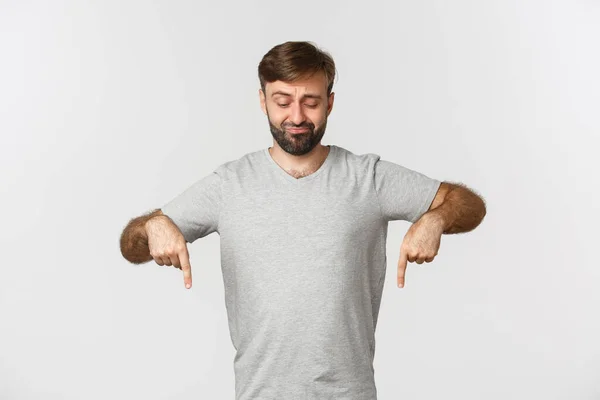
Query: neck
{"points": [[300, 166]]}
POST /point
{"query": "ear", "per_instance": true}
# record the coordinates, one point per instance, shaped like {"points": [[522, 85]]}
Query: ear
{"points": [[262, 98], [330, 103]]}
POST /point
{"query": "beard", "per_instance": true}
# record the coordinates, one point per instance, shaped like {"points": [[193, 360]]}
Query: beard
{"points": [[297, 144]]}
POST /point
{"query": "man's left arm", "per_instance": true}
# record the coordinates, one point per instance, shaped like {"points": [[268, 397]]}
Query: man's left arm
{"points": [[455, 209]]}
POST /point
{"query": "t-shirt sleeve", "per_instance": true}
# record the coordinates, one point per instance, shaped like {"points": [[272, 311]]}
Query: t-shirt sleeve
{"points": [[403, 194], [196, 210]]}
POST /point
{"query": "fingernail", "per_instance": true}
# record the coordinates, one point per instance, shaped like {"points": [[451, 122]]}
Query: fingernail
{"points": [[187, 285]]}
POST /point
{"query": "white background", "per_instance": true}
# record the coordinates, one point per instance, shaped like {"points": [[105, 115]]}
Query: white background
{"points": [[110, 109]]}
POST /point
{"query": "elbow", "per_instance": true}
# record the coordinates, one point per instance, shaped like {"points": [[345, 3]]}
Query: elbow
{"points": [[133, 244], [482, 210], [126, 247]]}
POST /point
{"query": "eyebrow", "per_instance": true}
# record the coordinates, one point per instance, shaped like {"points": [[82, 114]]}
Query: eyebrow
{"points": [[307, 95]]}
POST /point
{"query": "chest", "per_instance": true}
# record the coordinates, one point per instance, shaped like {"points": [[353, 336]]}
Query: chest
{"points": [[297, 224]]}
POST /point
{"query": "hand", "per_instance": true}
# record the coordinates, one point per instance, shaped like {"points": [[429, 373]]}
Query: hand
{"points": [[421, 244], [168, 246]]}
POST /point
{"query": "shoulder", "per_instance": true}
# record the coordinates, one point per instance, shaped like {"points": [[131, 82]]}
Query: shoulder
{"points": [[361, 163], [245, 164], [373, 164]]}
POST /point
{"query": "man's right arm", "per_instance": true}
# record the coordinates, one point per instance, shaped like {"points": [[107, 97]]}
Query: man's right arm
{"points": [[134, 239]]}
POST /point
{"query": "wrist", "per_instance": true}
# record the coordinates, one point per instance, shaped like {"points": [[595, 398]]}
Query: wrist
{"points": [[436, 219], [152, 219]]}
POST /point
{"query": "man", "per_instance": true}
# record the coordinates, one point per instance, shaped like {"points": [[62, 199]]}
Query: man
{"points": [[303, 231]]}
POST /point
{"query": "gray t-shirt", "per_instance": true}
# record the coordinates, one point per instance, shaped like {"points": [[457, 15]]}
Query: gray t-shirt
{"points": [[303, 264]]}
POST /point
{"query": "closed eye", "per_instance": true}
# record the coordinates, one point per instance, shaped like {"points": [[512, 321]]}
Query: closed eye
{"points": [[307, 105]]}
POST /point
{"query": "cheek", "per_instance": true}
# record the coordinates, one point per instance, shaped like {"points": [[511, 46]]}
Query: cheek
{"points": [[276, 119], [317, 117], [275, 115]]}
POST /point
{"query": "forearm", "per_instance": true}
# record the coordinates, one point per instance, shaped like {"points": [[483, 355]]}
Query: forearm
{"points": [[461, 211], [134, 239]]}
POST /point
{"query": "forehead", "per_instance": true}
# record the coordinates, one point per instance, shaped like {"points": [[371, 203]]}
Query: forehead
{"points": [[316, 85]]}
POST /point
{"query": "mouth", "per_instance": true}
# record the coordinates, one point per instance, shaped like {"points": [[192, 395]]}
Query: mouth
{"points": [[297, 130]]}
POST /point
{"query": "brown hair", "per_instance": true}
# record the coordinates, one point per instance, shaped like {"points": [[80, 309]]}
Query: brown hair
{"points": [[291, 61]]}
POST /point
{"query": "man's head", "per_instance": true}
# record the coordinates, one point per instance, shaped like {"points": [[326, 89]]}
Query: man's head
{"points": [[296, 80]]}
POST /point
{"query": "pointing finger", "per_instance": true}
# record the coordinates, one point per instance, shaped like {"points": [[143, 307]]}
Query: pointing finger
{"points": [[402, 268], [186, 268]]}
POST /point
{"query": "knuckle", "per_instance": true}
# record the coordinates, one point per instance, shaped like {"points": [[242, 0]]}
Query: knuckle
{"points": [[156, 255]]}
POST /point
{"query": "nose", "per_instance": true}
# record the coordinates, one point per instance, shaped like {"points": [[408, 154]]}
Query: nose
{"points": [[297, 115]]}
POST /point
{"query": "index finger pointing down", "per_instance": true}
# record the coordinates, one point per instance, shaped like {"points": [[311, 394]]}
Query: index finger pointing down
{"points": [[186, 268]]}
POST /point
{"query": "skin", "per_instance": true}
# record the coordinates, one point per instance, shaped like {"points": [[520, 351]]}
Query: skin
{"points": [[167, 246], [154, 236], [455, 209], [300, 104]]}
